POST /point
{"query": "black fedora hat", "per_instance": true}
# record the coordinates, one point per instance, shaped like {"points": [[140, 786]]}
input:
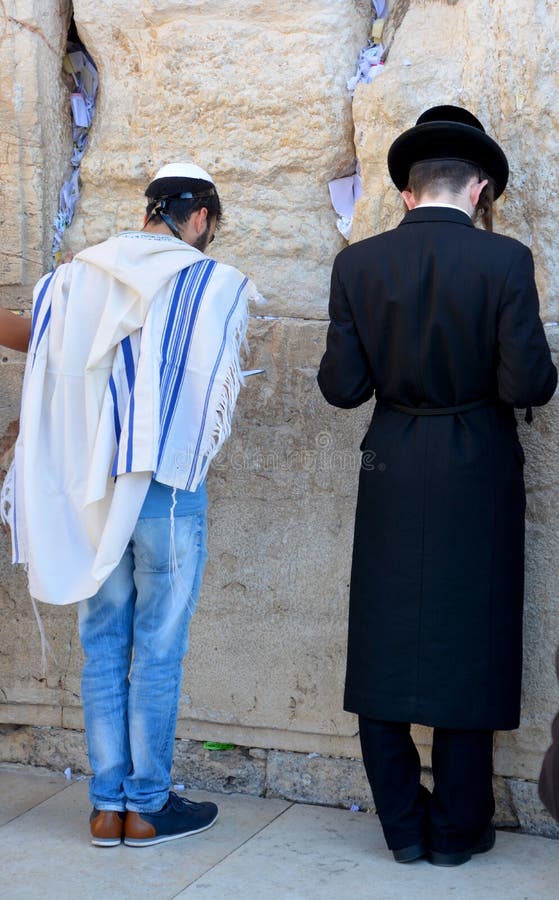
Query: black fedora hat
{"points": [[447, 132]]}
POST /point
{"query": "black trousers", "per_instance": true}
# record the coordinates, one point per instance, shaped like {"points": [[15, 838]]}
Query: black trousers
{"points": [[461, 806]]}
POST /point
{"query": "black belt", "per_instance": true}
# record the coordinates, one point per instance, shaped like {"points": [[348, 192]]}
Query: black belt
{"points": [[436, 410]]}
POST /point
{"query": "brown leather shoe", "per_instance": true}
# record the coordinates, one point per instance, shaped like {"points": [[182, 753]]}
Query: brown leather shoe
{"points": [[107, 827]]}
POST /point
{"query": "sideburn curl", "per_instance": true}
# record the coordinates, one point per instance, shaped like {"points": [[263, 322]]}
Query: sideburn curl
{"points": [[484, 209]]}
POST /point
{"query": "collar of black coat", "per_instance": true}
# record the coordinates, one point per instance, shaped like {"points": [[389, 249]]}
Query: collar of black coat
{"points": [[437, 214]]}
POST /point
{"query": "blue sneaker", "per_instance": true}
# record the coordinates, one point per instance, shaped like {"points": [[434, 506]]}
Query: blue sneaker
{"points": [[178, 818]]}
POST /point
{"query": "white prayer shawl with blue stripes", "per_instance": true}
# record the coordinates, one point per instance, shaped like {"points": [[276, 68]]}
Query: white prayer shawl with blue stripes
{"points": [[133, 372]]}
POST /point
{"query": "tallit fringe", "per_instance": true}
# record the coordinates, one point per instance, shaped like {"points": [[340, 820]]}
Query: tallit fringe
{"points": [[7, 501], [7, 513], [7, 497], [234, 379]]}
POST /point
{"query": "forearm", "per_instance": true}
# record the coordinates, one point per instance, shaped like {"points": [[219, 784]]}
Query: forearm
{"points": [[15, 331]]}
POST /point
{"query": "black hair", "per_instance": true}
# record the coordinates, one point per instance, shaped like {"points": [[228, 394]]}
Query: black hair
{"points": [[453, 175], [166, 194]]}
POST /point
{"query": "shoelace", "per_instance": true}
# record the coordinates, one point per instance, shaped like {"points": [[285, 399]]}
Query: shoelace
{"points": [[180, 802]]}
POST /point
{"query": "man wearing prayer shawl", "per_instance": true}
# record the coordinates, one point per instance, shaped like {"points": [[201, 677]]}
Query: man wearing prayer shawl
{"points": [[441, 321], [132, 376]]}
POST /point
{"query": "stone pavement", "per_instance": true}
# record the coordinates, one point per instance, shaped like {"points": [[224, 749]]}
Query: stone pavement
{"points": [[258, 849]]}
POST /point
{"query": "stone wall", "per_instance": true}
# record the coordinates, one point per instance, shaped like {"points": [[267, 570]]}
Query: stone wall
{"points": [[256, 93], [35, 139]]}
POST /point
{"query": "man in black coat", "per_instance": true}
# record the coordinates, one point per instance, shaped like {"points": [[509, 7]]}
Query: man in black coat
{"points": [[440, 320]]}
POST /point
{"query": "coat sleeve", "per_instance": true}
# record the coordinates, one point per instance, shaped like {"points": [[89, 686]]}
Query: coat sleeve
{"points": [[526, 375], [344, 376]]}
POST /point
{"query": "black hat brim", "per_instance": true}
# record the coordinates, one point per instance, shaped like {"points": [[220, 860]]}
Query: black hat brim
{"points": [[447, 140]]}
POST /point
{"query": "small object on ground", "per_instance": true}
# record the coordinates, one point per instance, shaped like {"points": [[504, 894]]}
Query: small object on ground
{"points": [[215, 745]]}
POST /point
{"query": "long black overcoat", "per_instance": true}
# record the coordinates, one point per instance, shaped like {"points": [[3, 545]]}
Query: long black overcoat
{"points": [[437, 313]]}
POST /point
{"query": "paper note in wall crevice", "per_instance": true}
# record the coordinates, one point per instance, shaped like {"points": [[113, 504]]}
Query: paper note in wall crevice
{"points": [[344, 193]]}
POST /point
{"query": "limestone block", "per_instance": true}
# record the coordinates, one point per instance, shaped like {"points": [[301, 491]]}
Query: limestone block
{"points": [[269, 641], [226, 771], [253, 92], [35, 139], [52, 748], [475, 55], [505, 813], [332, 782], [532, 815]]}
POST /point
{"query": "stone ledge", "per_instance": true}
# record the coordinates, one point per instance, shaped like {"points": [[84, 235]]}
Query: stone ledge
{"points": [[301, 777]]}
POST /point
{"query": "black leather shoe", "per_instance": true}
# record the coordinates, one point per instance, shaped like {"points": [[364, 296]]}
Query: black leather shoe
{"points": [[485, 843], [409, 854]]}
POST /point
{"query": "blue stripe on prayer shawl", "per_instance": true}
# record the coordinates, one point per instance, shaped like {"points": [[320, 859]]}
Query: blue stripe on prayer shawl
{"points": [[183, 322], [112, 388], [117, 424], [37, 307], [35, 319], [130, 377], [175, 344], [171, 322], [177, 339], [212, 379], [128, 361], [126, 347], [45, 322]]}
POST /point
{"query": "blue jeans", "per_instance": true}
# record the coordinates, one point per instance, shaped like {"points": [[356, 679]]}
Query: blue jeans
{"points": [[134, 633]]}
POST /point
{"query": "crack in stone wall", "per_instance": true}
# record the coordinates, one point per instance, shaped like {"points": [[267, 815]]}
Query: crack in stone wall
{"points": [[34, 138], [82, 81]]}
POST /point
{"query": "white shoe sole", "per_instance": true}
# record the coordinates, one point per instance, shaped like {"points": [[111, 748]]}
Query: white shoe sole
{"points": [[106, 842], [161, 838]]}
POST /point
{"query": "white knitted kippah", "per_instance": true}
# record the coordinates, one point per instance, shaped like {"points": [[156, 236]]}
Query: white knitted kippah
{"points": [[182, 170]]}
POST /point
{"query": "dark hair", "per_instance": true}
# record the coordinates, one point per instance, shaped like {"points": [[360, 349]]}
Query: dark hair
{"points": [[453, 175], [205, 196]]}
